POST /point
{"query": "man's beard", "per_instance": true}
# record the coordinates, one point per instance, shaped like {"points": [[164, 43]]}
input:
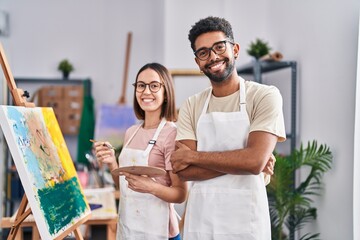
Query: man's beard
{"points": [[223, 75]]}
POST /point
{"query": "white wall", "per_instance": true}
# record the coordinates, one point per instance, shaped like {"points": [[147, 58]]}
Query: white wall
{"points": [[91, 34], [356, 181], [181, 15], [3, 89], [320, 35]]}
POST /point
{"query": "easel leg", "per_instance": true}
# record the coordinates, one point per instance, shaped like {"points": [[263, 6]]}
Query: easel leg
{"points": [[111, 231], [35, 233], [78, 234], [20, 216], [19, 235], [87, 232]]}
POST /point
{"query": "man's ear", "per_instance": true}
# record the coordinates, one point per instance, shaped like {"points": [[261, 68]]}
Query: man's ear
{"points": [[236, 49], [197, 61]]}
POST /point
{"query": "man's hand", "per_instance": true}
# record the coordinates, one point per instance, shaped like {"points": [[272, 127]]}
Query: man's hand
{"points": [[180, 157]]}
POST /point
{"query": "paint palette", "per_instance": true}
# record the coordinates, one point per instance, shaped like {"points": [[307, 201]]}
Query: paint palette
{"points": [[140, 170]]}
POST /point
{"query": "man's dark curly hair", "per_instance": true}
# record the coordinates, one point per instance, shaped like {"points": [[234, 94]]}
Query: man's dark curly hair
{"points": [[210, 24]]}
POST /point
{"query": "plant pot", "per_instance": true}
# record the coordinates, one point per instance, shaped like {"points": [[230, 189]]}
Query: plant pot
{"points": [[66, 75]]}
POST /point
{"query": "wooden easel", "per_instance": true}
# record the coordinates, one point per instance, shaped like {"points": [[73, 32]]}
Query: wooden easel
{"points": [[19, 97], [122, 99]]}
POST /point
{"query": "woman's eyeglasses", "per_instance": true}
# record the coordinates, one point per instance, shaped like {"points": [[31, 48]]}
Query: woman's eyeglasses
{"points": [[153, 86]]}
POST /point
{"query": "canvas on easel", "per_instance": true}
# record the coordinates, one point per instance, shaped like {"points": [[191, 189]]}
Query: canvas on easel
{"points": [[45, 168], [53, 193]]}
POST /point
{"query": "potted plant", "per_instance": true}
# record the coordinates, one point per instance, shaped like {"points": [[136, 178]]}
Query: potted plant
{"points": [[65, 67], [258, 48], [291, 204]]}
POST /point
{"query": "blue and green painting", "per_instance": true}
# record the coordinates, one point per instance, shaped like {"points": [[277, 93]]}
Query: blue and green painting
{"points": [[45, 168]]}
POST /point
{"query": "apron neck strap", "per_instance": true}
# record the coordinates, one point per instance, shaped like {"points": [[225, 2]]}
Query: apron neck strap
{"points": [[132, 136], [242, 94], [207, 102], [154, 138]]}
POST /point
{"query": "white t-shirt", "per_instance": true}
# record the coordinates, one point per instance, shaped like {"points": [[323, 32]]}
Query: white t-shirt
{"points": [[263, 105]]}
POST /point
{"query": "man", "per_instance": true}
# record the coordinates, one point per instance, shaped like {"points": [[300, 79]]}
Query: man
{"points": [[226, 135]]}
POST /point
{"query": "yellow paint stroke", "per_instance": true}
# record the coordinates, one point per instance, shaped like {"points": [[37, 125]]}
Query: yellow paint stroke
{"points": [[41, 145], [58, 139]]}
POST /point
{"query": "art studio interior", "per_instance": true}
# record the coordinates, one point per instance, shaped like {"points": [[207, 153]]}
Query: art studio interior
{"points": [[81, 58]]}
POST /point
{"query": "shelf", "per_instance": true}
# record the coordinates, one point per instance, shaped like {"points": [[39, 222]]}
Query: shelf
{"points": [[48, 80], [257, 68], [266, 66], [56, 81], [185, 72]]}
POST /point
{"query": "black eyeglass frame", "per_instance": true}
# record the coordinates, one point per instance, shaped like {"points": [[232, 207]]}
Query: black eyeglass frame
{"points": [[147, 84], [212, 49]]}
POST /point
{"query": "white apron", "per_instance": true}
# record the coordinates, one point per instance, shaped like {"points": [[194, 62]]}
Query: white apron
{"points": [[141, 215], [228, 207]]}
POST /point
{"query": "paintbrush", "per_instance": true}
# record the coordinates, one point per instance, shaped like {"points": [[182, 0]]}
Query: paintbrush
{"points": [[104, 143]]}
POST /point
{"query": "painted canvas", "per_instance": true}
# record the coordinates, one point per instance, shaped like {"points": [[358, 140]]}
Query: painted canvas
{"points": [[45, 168], [112, 120]]}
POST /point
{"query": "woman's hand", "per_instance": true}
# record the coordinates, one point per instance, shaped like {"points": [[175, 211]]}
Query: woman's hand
{"points": [[176, 193], [105, 154], [142, 184], [269, 168]]}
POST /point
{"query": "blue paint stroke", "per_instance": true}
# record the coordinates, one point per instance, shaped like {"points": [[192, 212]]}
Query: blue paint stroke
{"points": [[22, 135]]}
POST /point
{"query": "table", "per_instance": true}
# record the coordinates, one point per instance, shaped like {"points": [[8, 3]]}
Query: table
{"points": [[106, 215], [110, 223]]}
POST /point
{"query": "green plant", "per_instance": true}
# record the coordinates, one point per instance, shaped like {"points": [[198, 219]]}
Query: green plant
{"points": [[65, 67], [291, 205], [258, 48]]}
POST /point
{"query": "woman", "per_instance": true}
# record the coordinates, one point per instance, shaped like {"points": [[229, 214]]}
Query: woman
{"points": [[146, 208]]}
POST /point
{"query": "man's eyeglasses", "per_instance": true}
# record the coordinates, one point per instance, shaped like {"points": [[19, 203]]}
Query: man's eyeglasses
{"points": [[218, 48], [153, 86]]}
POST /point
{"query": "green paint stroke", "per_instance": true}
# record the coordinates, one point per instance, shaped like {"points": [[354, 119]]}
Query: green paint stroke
{"points": [[62, 204]]}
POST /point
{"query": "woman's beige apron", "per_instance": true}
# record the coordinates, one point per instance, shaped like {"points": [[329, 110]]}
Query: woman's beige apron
{"points": [[141, 215], [228, 207]]}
